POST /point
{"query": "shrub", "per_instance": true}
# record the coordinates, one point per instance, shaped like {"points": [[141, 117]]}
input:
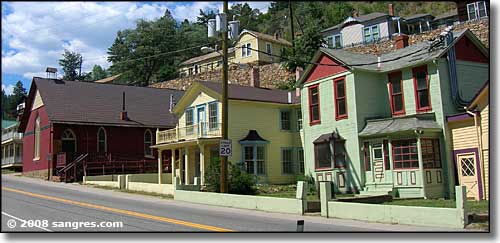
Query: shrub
{"points": [[239, 182], [212, 176]]}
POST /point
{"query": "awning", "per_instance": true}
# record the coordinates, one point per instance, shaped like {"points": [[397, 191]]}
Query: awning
{"points": [[393, 125], [253, 136], [327, 137]]}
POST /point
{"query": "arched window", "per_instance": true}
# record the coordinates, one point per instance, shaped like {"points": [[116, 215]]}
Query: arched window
{"points": [[148, 141], [37, 138], [102, 143], [68, 141]]}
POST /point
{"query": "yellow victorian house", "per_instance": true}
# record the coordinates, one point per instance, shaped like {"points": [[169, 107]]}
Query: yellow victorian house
{"points": [[269, 47], [264, 127]]}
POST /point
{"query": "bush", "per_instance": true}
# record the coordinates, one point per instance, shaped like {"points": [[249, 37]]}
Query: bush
{"points": [[239, 182], [311, 182]]}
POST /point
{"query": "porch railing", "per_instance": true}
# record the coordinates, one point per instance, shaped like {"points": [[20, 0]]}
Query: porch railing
{"points": [[201, 130], [12, 135]]}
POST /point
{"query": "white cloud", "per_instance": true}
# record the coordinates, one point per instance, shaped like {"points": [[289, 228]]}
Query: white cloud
{"points": [[9, 89], [34, 35]]}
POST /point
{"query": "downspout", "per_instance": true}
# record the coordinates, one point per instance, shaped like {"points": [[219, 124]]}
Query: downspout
{"points": [[51, 148], [452, 69], [479, 135]]}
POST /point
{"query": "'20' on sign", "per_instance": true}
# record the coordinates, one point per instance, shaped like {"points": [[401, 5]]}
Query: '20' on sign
{"points": [[225, 148]]}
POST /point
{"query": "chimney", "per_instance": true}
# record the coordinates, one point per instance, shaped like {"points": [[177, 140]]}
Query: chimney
{"points": [[391, 9], [51, 72], [289, 97], [401, 41], [123, 113], [298, 73], [254, 77]]}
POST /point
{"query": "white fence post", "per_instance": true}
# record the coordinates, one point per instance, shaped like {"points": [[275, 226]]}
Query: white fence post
{"points": [[461, 200], [325, 195], [301, 195]]}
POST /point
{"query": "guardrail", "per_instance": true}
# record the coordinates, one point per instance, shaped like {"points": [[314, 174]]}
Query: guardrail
{"points": [[201, 130]]}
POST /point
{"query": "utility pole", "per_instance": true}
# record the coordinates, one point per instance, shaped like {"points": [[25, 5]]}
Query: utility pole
{"points": [[80, 73], [223, 166], [291, 25]]}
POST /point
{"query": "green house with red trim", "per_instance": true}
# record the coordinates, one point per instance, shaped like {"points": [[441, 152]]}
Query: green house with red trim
{"points": [[377, 124]]}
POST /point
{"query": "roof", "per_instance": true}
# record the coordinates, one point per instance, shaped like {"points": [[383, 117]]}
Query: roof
{"points": [[205, 57], [94, 103], [483, 89], [360, 19], [8, 123], [403, 124], [253, 135], [266, 37], [409, 56], [446, 15], [108, 79], [417, 16], [240, 92], [327, 137]]}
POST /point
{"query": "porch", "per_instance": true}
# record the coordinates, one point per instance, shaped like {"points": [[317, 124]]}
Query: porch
{"points": [[202, 130]]}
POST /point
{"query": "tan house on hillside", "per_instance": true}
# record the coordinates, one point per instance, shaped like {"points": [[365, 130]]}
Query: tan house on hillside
{"points": [[269, 47], [470, 134]]}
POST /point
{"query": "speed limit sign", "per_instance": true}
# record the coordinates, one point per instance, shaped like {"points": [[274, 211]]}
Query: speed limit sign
{"points": [[225, 148]]}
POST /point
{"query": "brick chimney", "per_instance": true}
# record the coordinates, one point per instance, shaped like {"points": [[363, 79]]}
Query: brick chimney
{"points": [[255, 77], [391, 9], [123, 113], [401, 41], [298, 73]]}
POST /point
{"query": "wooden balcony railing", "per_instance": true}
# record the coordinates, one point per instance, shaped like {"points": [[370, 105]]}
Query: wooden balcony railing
{"points": [[201, 130]]}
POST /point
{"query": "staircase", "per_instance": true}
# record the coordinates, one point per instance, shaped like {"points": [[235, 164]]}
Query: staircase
{"points": [[372, 189], [70, 172]]}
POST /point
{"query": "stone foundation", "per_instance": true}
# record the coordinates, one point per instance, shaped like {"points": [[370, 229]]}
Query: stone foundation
{"points": [[42, 174]]}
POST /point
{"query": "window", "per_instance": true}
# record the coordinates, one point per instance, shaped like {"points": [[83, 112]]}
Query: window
{"points": [[396, 93], [366, 151], [269, 49], [285, 122], [148, 142], [339, 154], [287, 161], [299, 119], [421, 84], [329, 41], [322, 156], [371, 34], [300, 160], [254, 159], [212, 115], [101, 141], [340, 99], [431, 156], [189, 116], [246, 50], [404, 154], [37, 138], [476, 10], [337, 41], [387, 163], [314, 115]]}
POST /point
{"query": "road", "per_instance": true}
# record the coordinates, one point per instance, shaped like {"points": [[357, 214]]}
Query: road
{"points": [[36, 205]]}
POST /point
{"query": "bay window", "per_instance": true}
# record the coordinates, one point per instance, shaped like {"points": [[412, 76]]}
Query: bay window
{"points": [[322, 156], [431, 156], [254, 159], [404, 154]]}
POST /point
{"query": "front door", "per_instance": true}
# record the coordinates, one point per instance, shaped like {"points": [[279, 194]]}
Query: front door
{"points": [[378, 163], [201, 121], [468, 174]]}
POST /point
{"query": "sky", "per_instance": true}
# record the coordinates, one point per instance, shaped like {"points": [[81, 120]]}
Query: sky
{"points": [[35, 34]]}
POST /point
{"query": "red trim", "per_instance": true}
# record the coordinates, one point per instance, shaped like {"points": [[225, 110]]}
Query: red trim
{"points": [[385, 149], [399, 75], [415, 70], [311, 121], [402, 154], [431, 150], [330, 68], [366, 148], [316, 164], [337, 98]]}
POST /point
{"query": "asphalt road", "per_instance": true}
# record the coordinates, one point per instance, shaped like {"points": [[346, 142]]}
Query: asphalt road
{"points": [[37, 205]]}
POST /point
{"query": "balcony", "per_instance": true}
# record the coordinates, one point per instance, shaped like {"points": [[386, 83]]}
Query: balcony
{"points": [[193, 132], [12, 135]]}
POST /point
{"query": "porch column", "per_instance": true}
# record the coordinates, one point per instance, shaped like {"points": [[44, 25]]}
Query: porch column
{"points": [[160, 166], [173, 165], [421, 166], [428, 26], [202, 164], [399, 26], [182, 158], [186, 166], [420, 25]]}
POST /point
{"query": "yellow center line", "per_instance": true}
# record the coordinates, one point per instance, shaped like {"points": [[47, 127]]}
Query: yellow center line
{"points": [[121, 211]]}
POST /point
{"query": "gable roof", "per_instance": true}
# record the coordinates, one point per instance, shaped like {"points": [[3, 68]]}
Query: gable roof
{"points": [[240, 92], [410, 56], [485, 89], [100, 104], [266, 37], [360, 19]]}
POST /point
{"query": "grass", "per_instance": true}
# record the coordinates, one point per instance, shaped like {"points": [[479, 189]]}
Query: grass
{"points": [[472, 206], [7, 171], [163, 196]]}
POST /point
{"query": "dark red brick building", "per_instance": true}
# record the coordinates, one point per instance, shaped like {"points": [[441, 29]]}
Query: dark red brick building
{"points": [[66, 119]]}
